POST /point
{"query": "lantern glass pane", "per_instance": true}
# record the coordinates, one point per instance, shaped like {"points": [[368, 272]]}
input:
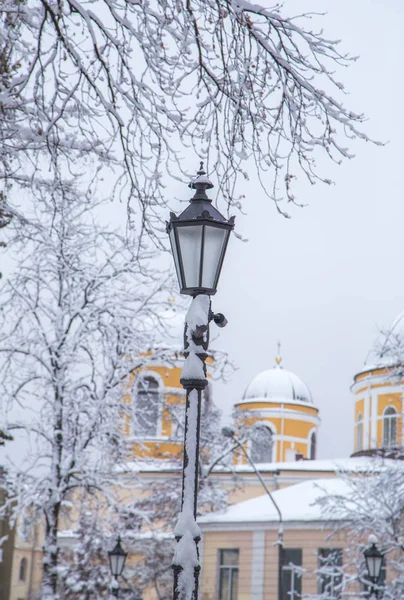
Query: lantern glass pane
{"points": [[214, 241], [113, 559], [121, 563], [190, 239], [374, 564], [175, 254], [117, 563]]}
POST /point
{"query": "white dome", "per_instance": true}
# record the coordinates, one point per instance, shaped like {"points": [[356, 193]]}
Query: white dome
{"points": [[279, 385]]}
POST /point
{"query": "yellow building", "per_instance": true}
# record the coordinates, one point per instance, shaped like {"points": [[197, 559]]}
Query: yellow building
{"points": [[378, 410], [154, 403], [278, 408], [378, 392]]}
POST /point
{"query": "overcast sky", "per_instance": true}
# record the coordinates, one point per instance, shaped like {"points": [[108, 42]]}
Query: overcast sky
{"points": [[324, 281]]}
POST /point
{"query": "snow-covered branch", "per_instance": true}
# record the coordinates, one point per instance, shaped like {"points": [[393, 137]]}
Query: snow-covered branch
{"points": [[73, 328], [119, 91]]}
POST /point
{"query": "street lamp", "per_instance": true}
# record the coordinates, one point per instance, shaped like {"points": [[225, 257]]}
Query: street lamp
{"points": [[229, 432], [199, 238], [374, 562], [117, 559]]}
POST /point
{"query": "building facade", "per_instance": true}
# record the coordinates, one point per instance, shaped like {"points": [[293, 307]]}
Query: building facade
{"points": [[242, 558], [278, 411], [278, 416], [378, 394]]}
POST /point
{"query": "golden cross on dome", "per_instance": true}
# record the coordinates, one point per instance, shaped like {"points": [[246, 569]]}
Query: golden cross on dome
{"points": [[278, 358]]}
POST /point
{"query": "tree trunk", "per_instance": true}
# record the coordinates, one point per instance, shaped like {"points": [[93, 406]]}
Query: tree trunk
{"points": [[50, 557]]}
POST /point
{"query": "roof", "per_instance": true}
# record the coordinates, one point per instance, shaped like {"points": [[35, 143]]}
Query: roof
{"points": [[331, 465], [352, 464], [296, 503], [278, 384]]}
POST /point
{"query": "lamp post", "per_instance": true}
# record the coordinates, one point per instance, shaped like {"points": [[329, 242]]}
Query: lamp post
{"points": [[374, 562], [231, 434], [199, 238], [117, 559]]}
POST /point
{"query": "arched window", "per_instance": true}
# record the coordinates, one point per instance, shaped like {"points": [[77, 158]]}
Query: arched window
{"points": [[23, 569], [146, 407], [389, 427], [261, 444], [359, 433], [313, 445]]}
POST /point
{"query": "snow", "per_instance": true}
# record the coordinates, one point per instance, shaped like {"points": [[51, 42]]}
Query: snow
{"points": [[148, 466], [201, 179], [193, 367], [278, 384], [186, 555], [186, 529], [296, 503], [352, 464], [197, 317], [186, 520], [198, 312], [68, 533]]}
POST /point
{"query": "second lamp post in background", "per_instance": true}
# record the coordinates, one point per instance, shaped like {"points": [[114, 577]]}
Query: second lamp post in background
{"points": [[117, 559], [199, 237], [374, 560]]}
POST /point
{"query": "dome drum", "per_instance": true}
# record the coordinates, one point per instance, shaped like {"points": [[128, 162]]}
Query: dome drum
{"points": [[280, 401]]}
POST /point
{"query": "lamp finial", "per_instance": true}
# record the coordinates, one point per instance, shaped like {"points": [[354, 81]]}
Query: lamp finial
{"points": [[201, 183]]}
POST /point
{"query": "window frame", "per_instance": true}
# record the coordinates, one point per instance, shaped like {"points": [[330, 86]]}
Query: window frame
{"points": [[254, 459], [156, 392], [22, 570], [390, 422], [294, 593], [231, 568], [359, 433], [313, 445], [332, 576]]}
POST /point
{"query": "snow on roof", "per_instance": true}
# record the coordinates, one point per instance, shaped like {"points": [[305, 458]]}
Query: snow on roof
{"points": [[352, 464], [152, 465], [296, 503], [278, 384], [68, 533], [332, 465]]}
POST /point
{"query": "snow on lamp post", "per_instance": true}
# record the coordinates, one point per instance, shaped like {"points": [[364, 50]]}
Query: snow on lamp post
{"points": [[374, 562], [199, 237], [117, 559]]}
